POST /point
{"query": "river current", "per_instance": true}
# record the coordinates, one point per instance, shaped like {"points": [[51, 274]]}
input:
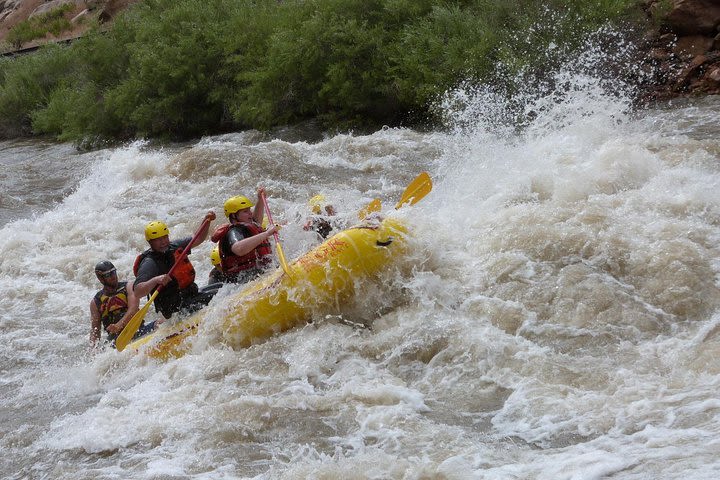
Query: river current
{"points": [[557, 316]]}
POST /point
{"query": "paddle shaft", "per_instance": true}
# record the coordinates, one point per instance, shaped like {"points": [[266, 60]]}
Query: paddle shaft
{"points": [[186, 249], [281, 254]]}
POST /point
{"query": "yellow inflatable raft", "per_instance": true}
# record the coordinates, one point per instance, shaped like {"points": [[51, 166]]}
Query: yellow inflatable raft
{"points": [[320, 280]]}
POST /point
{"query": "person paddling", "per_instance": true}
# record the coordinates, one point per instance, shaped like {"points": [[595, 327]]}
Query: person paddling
{"points": [[113, 306], [179, 291], [244, 245]]}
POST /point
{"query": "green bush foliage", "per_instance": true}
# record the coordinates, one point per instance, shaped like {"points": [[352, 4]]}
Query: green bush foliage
{"points": [[183, 68], [26, 84]]}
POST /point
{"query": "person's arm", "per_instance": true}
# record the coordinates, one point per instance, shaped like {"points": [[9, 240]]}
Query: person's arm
{"points": [[144, 288], [94, 324], [248, 244], [148, 277], [210, 215], [259, 210], [133, 307]]}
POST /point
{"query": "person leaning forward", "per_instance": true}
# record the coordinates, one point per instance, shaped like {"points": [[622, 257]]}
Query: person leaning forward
{"points": [[179, 291], [113, 306], [245, 250]]}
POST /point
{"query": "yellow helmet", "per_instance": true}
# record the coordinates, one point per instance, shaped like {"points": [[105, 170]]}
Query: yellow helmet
{"points": [[234, 204], [316, 203], [155, 229], [215, 256]]}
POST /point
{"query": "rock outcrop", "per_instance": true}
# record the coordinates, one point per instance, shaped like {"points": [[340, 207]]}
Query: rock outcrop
{"points": [[683, 53], [13, 12]]}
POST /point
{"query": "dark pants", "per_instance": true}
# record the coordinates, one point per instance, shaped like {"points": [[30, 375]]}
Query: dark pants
{"points": [[244, 276], [200, 299]]}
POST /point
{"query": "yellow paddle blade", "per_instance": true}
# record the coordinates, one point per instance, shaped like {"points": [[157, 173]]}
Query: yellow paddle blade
{"points": [[281, 257], [416, 190], [374, 206], [132, 326]]}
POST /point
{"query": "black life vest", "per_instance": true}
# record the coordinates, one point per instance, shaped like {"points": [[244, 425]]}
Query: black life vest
{"points": [[182, 287], [112, 306], [184, 273]]}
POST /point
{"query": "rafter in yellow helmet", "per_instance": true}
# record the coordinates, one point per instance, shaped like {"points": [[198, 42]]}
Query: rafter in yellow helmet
{"points": [[316, 203], [234, 204], [215, 256], [156, 229]]}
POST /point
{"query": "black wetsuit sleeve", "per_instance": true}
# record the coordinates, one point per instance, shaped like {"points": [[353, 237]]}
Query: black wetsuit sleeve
{"points": [[148, 269], [237, 233], [234, 235]]}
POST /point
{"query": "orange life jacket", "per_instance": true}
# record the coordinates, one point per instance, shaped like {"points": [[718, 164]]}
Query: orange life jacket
{"points": [[231, 263], [184, 273]]}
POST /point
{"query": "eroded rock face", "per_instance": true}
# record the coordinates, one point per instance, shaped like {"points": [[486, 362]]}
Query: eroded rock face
{"points": [[7, 7], [9, 4], [686, 57], [13, 12], [53, 4], [694, 17]]}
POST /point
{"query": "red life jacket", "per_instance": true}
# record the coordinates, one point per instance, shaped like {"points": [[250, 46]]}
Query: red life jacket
{"points": [[184, 273], [232, 263]]}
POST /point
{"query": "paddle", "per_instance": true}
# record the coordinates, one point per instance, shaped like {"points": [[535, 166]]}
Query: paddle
{"points": [[281, 254], [416, 190], [132, 326], [371, 207]]}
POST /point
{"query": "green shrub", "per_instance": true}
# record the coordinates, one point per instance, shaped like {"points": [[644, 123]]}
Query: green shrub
{"points": [[25, 85], [433, 54], [181, 68], [173, 85], [327, 60]]}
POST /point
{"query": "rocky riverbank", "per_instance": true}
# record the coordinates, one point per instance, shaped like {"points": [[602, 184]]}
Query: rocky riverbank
{"points": [[683, 51], [81, 14]]}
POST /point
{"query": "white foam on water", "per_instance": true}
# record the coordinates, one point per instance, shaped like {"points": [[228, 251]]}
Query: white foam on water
{"points": [[556, 317]]}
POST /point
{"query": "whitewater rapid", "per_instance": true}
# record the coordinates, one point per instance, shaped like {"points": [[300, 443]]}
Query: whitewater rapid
{"points": [[557, 317]]}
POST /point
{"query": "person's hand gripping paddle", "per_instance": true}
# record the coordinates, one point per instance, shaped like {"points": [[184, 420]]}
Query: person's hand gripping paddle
{"points": [[280, 253]]}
